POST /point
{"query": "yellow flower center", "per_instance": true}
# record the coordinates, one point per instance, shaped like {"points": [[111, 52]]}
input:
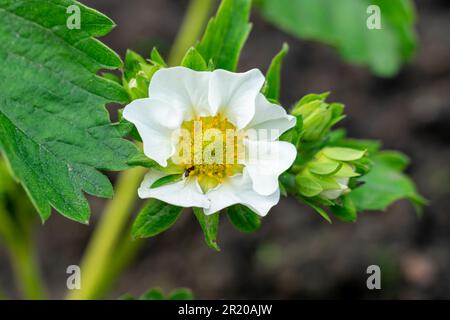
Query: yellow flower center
{"points": [[210, 149]]}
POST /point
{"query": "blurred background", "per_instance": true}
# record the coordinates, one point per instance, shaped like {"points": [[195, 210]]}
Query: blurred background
{"points": [[296, 254]]}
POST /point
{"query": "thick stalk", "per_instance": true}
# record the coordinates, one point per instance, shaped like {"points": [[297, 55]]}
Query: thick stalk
{"points": [[27, 271], [23, 259], [124, 254], [100, 251], [191, 29]]}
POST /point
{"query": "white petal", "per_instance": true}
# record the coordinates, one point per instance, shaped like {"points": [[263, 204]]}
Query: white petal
{"points": [[185, 193], [238, 190], [270, 118], [266, 160], [234, 94], [184, 89], [155, 121]]}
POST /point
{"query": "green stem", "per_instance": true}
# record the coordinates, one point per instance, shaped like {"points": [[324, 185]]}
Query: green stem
{"points": [[124, 254], [106, 237], [26, 270], [23, 258], [191, 29], [3, 295]]}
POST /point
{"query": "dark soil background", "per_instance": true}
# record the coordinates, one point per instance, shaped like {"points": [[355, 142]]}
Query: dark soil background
{"points": [[297, 254]]}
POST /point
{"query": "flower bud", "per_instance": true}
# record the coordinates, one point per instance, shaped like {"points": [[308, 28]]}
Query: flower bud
{"points": [[327, 176], [138, 73], [318, 115]]}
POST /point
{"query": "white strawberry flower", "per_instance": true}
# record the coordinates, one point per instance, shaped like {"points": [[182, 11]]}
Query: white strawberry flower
{"points": [[198, 103]]}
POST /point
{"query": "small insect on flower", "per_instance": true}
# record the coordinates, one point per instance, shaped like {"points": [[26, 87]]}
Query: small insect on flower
{"points": [[219, 133]]}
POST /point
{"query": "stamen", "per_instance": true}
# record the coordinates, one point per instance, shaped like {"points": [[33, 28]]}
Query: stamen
{"points": [[213, 151]]}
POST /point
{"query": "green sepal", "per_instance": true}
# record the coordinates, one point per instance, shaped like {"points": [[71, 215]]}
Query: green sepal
{"points": [[346, 210], [243, 218], [287, 182], [317, 208], [226, 34], [193, 60], [157, 59], [343, 154], [294, 134], [156, 217], [273, 76], [324, 166], [169, 179], [141, 160], [307, 186], [209, 225]]}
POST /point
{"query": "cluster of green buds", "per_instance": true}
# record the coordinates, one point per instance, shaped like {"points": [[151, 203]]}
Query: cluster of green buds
{"points": [[328, 174], [138, 73], [318, 115]]}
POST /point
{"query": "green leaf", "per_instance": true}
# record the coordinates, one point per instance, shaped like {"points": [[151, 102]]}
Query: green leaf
{"points": [[343, 24], [171, 178], [54, 128], [243, 218], [273, 77], [396, 160], [153, 294], [385, 184], [193, 60], [156, 217], [181, 294], [338, 139], [226, 34], [209, 225]]}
